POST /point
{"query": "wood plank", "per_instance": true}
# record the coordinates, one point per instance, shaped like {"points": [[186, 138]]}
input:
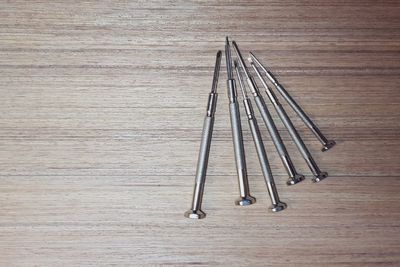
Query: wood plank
{"points": [[101, 110]]}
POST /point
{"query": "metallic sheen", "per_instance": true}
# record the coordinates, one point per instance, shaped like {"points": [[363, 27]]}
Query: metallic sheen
{"points": [[245, 197], [277, 205], [318, 174], [195, 211], [326, 144], [294, 176]]}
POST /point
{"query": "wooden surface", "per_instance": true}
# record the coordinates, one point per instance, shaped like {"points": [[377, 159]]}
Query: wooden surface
{"points": [[100, 119]]}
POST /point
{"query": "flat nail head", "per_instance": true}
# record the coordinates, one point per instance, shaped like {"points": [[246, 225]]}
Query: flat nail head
{"points": [[278, 207], [328, 145], [245, 201], [296, 179], [195, 214], [321, 176]]}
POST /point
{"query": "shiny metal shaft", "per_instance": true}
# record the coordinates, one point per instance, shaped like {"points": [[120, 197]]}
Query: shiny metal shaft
{"points": [[245, 197], [318, 174], [195, 211], [326, 144], [294, 176], [277, 205]]}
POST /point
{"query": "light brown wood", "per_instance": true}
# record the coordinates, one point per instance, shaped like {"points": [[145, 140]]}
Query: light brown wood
{"points": [[101, 112]]}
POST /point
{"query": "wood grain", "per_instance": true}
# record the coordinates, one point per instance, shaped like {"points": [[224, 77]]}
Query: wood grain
{"points": [[100, 121]]}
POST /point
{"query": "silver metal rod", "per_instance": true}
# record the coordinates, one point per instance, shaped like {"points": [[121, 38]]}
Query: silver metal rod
{"points": [[195, 211], [326, 144], [228, 59], [294, 176], [318, 174], [277, 205], [245, 197]]}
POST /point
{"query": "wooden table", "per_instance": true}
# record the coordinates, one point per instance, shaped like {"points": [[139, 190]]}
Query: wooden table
{"points": [[101, 112]]}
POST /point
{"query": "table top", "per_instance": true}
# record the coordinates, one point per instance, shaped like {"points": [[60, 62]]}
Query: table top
{"points": [[102, 105]]}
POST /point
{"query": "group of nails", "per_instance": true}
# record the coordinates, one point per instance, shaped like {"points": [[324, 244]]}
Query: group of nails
{"points": [[246, 80]]}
